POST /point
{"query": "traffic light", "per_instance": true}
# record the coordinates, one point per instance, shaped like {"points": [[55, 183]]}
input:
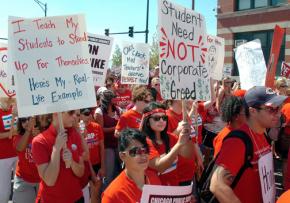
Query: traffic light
{"points": [[131, 31], [107, 32]]}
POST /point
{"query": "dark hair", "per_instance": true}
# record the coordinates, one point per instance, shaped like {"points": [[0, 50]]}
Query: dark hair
{"points": [[106, 97], [146, 128], [129, 134], [38, 124], [20, 129], [231, 107]]}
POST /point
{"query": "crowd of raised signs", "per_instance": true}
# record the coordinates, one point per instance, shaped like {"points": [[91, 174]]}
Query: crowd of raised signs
{"points": [[133, 137]]}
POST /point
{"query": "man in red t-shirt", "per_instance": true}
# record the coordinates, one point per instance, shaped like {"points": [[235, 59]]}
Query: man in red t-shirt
{"points": [[123, 96], [262, 111], [58, 156], [132, 118]]}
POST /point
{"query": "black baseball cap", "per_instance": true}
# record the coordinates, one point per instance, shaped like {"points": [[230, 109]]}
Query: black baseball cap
{"points": [[261, 95]]}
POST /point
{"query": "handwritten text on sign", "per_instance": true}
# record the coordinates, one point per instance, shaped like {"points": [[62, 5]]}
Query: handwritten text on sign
{"points": [[7, 88], [100, 50], [50, 60], [182, 40], [135, 63]]}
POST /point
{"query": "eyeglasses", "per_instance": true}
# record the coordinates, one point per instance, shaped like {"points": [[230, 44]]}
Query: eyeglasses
{"points": [[157, 118], [270, 110], [134, 151]]}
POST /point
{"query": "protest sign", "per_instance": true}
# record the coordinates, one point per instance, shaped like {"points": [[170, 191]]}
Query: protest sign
{"points": [[216, 55], [183, 53], [100, 48], [274, 56], [7, 88], [50, 61], [227, 71], [161, 193], [251, 64], [135, 63], [267, 179], [285, 70]]}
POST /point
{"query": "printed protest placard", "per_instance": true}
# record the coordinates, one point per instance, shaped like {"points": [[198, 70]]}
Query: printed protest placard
{"points": [[267, 179], [216, 55], [7, 88], [135, 63], [100, 48], [285, 70], [251, 64], [50, 60], [161, 193], [227, 71], [183, 63]]}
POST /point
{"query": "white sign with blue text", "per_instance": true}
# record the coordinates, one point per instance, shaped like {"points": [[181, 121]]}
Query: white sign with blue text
{"points": [[50, 60]]}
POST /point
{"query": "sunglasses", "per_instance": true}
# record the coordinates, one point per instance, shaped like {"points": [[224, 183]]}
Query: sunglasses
{"points": [[86, 113], [157, 118], [134, 151], [270, 110], [146, 101]]}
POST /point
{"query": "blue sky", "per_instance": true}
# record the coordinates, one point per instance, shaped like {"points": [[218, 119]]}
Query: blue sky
{"points": [[117, 15]]}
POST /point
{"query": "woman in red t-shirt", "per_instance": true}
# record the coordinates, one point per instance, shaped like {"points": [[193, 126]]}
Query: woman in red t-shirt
{"points": [[127, 187], [26, 178], [165, 147]]}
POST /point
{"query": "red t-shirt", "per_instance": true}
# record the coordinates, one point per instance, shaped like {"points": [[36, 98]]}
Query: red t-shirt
{"points": [[218, 140], [124, 190], [287, 182], [185, 166], [67, 187], [94, 137], [170, 175], [26, 168], [6, 144], [232, 157], [129, 119], [122, 99], [286, 112]]}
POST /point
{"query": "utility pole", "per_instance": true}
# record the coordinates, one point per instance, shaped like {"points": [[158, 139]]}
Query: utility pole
{"points": [[147, 21], [192, 4], [43, 6]]}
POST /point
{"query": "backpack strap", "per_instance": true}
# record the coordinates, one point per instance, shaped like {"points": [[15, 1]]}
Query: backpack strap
{"points": [[248, 152]]}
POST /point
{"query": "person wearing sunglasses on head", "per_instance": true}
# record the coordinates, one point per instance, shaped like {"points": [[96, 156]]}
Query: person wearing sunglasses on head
{"points": [[155, 89], [26, 177], [132, 118], [57, 154], [165, 147], [134, 152], [262, 110], [94, 138]]}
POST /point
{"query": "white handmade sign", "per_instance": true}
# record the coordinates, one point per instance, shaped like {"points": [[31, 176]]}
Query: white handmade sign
{"points": [[184, 72], [161, 193], [267, 179], [100, 48], [251, 64], [135, 63], [7, 88], [216, 55], [50, 60]]}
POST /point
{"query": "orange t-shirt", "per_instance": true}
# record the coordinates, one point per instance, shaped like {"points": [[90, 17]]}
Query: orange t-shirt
{"points": [[129, 119], [124, 190], [93, 138], [284, 198], [232, 157], [286, 112], [169, 176], [218, 140]]}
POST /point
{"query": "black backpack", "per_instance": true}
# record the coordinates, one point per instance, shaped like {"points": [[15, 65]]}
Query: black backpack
{"points": [[203, 183]]}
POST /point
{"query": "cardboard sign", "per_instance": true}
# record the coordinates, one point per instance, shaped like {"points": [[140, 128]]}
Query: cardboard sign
{"points": [[135, 63], [285, 70], [184, 72], [267, 179], [7, 88], [161, 193], [216, 55], [251, 64], [100, 48], [50, 60]]}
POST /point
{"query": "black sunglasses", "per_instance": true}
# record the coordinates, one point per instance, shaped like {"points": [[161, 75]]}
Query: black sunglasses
{"points": [[86, 113], [157, 118], [138, 151]]}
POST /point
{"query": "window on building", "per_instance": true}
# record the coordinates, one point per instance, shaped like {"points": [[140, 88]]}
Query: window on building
{"points": [[252, 4], [266, 42]]}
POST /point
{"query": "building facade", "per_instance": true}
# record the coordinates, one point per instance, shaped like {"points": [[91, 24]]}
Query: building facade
{"points": [[239, 21]]}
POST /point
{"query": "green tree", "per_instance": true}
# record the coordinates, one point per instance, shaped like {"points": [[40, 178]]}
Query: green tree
{"points": [[154, 52], [117, 57]]}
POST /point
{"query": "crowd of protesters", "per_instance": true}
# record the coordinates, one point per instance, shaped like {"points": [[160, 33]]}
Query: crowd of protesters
{"points": [[133, 137]]}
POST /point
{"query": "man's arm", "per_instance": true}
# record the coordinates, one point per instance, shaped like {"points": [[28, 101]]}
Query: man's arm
{"points": [[220, 186]]}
